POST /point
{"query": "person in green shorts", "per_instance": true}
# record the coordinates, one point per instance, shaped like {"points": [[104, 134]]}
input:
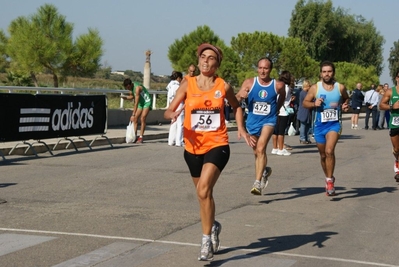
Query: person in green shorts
{"points": [[390, 101], [142, 105]]}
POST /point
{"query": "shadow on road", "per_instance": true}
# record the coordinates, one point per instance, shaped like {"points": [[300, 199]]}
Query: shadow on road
{"points": [[363, 191], [341, 193], [20, 159], [6, 185], [350, 136], [295, 193], [275, 244]]}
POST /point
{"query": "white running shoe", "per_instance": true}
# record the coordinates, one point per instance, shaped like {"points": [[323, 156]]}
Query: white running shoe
{"points": [[283, 152], [274, 151], [206, 253], [256, 189], [216, 229], [265, 181]]}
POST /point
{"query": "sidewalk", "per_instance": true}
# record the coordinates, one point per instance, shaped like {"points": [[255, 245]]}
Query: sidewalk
{"points": [[113, 136]]}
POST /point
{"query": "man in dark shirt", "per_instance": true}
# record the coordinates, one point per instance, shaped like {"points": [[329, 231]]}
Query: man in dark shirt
{"points": [[356, 104]]}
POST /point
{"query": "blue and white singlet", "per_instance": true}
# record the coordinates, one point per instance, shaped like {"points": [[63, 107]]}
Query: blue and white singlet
{"points": [[262, 106]]}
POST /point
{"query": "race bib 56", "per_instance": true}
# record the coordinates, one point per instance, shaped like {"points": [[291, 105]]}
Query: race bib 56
{"points": [[205, 120]]}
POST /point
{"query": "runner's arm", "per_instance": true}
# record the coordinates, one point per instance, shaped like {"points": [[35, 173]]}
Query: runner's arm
{"points": [[384, 104], [309, 102]]}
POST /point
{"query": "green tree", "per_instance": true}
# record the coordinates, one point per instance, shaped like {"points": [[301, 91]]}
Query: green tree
{"points": [[333, 34], [350, 74], [17, 79], [295, 59], [43, 43], [84, 60], [3, 56], [250, 47], [183, 52], [393, 60]]}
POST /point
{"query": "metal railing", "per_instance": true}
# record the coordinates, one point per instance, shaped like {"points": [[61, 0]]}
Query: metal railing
{"points": [[38, 90]]}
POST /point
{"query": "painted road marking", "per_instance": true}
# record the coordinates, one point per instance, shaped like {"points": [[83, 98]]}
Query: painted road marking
{"points": [[138, 255], [292, 255], [99, 255], [13, 242]]}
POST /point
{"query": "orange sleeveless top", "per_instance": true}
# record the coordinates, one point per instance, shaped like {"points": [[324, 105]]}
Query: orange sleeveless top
{"points": [[204, 123]]}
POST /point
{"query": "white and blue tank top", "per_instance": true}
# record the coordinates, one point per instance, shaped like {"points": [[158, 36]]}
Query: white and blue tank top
{"points": [[330, 110], [262, 104]]}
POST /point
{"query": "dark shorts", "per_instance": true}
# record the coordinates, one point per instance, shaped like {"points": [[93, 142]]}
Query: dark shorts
{"points": [[356, 110], [219, 156], [282, 122], [393, 132]]}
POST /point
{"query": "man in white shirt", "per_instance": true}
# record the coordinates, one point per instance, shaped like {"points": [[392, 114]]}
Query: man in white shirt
{"points": [[371, 101]]}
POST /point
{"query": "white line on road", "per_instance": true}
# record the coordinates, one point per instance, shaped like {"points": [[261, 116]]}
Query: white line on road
{"points": [[197, 245]]}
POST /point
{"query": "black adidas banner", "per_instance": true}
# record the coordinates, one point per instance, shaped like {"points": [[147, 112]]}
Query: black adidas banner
{"points": [[27, 116]]}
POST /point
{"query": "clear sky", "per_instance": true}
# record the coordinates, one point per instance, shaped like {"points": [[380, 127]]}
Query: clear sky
{"points": [[130, 27]]}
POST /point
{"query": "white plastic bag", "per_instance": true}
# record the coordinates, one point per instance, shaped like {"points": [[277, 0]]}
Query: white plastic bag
{"points": [[130, 133], [291, 130]]}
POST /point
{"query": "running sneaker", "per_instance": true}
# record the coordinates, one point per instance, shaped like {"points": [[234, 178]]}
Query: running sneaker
{"points": [[396, 166], [274, 151], [216, 229], [330, 189], [139, 140], [265, 181], [206, 253], [256, 189], [283, 152]]}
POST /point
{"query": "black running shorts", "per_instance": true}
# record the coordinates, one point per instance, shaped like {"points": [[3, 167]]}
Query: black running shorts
{"points": [[219, 156]]}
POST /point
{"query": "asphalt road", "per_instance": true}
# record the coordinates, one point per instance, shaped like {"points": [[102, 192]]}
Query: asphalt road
{"points": [[135, 205]]}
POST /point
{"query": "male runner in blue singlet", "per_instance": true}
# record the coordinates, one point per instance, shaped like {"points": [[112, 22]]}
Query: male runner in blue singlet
{"points": [[261, 92], [329, 98]]}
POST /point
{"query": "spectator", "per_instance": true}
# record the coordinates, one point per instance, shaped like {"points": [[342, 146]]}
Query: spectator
{"points": [[357, 99], [282, 121], [304, 115], [380, 113], [371, 100], [175, 137]]}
